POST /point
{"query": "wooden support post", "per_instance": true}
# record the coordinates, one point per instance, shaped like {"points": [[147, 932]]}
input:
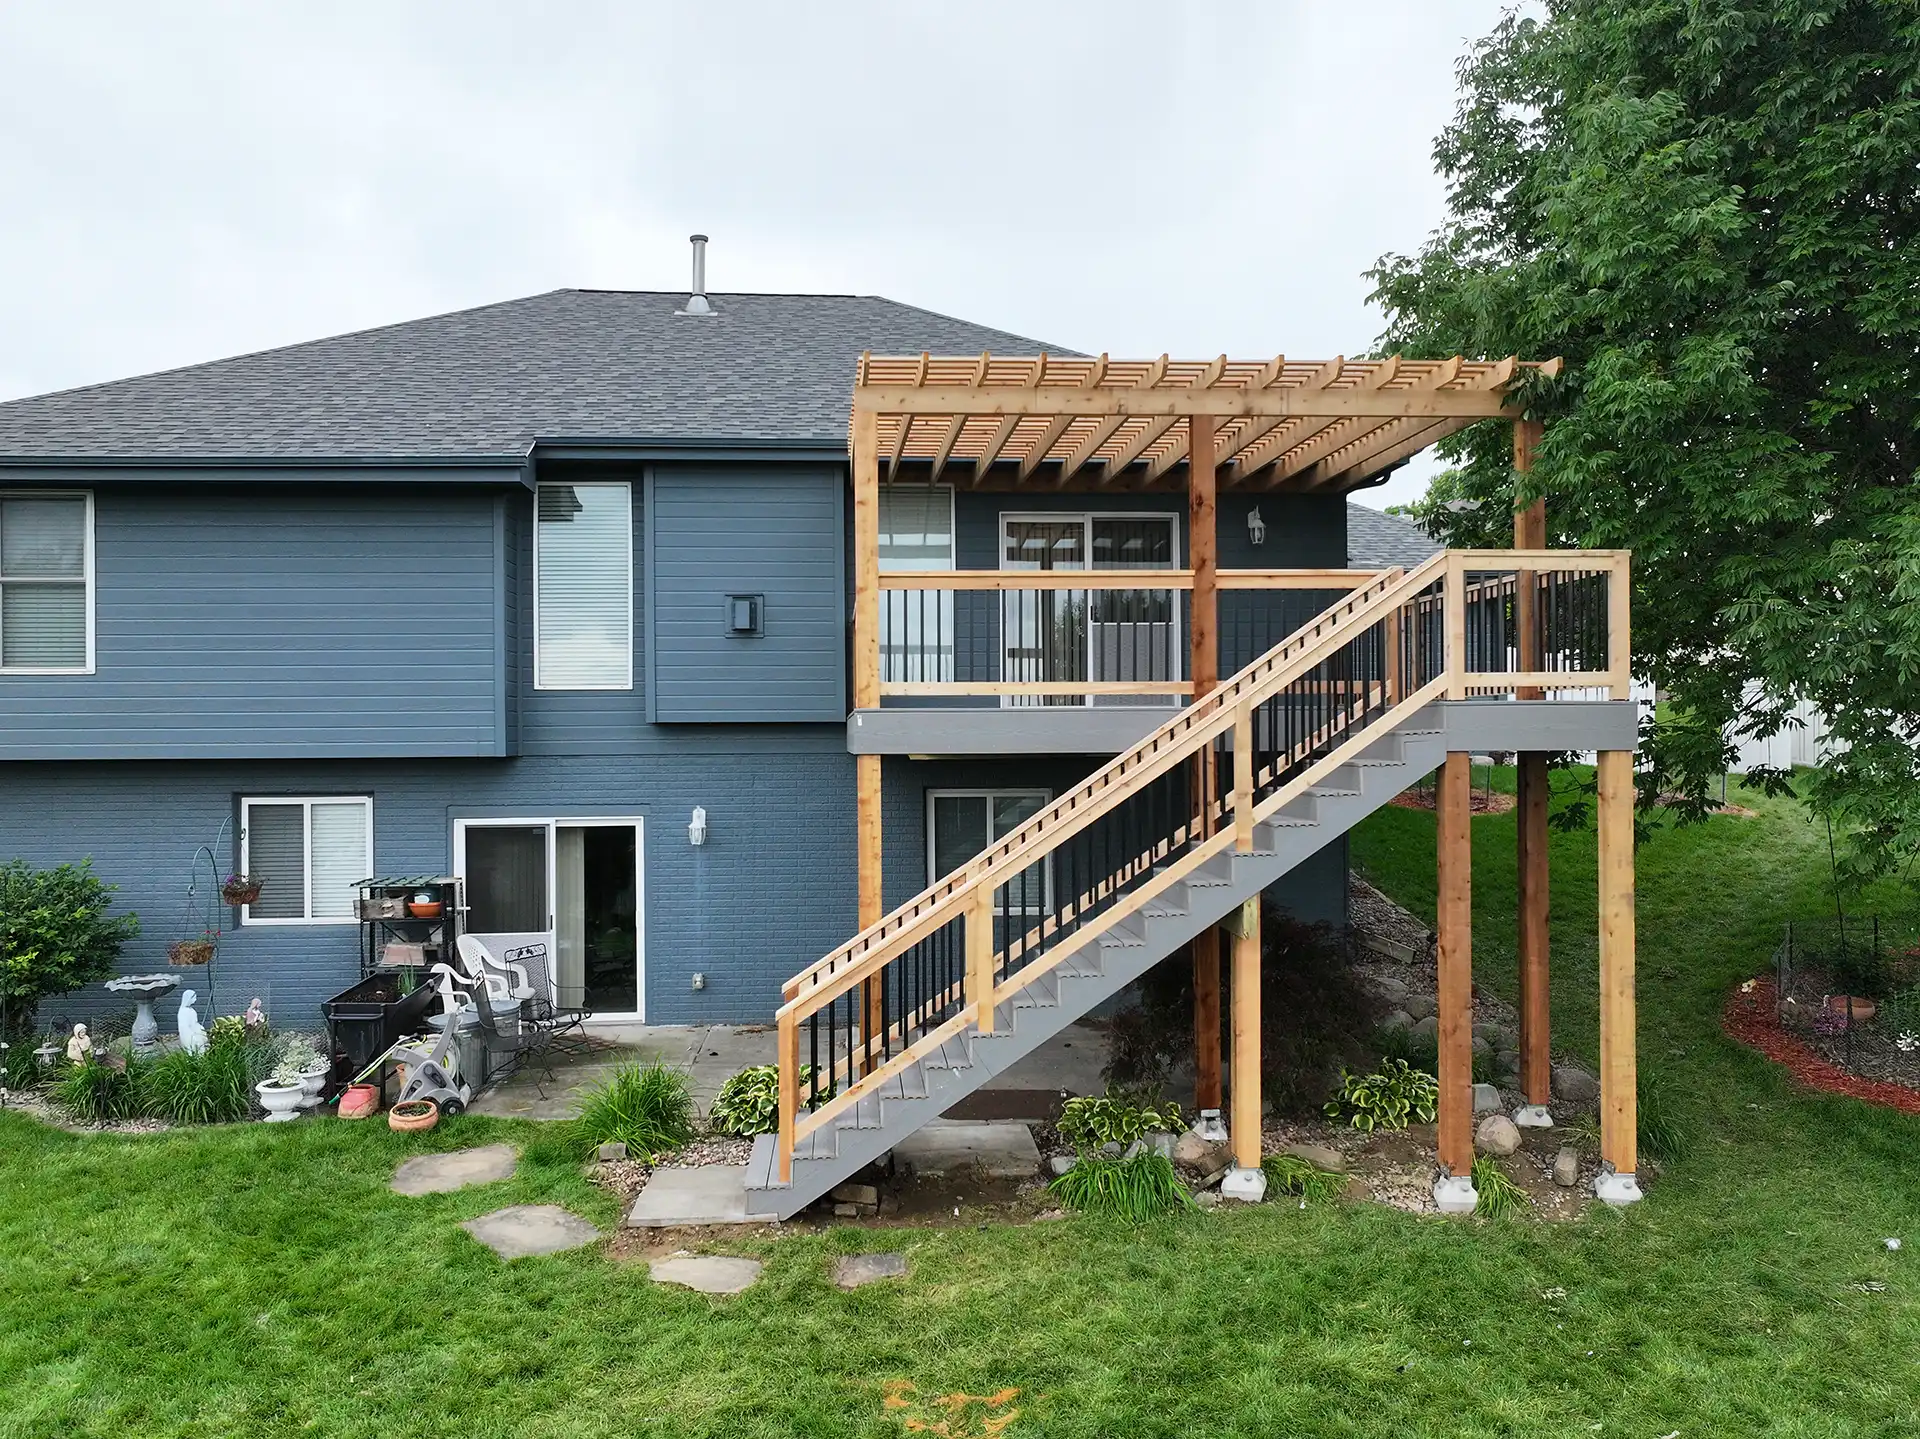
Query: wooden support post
{"points": [[1455, 998], [1530, 533], [1246, 1036], [1454, 615], [1203, 556], [789, 1095], [1207, 1087], [1536, 1077], [979, 942], [866, 695], [1618, 1081]]}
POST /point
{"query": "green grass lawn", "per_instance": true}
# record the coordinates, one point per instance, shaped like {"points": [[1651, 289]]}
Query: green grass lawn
{"points": [[261, 1280]]}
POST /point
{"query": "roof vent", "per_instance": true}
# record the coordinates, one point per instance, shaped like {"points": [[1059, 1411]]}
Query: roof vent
{"points": [[697, 301]]}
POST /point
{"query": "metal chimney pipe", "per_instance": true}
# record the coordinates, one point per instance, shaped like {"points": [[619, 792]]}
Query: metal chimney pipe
{"points": [[697, 300]]}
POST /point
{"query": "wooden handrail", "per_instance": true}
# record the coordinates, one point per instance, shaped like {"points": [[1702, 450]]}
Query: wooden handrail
{"points": [[1124, 579]]}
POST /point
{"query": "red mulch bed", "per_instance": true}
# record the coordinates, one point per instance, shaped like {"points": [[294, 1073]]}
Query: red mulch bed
{"points": [[1749, 1018]]}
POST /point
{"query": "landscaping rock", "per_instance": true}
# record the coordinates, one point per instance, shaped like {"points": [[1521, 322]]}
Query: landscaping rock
{"points": [[444, 1173], [1398, 1019], [1575, 1085], [1496, 1134], [1390, 989], [708, 1273], [1566, 1167], [1208, 1199], [1420, 1006], [850, 1271], [611, 1150], [844, 1210], [1426, 1028], [1495, 1035], [1202, 1156], [1486, 1099], [1481, 1046], [1139, 1146], [1161, 1143], [1111, 1149], [1320, 1156], [525, 1230], [857, 1194], [1061, 1163]]}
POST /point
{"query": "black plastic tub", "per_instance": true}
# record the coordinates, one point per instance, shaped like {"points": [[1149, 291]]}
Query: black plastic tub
{"points": [[366, 1020]]}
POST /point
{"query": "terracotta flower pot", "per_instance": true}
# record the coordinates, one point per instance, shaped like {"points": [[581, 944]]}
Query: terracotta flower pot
{"points": [[359, 1101], [1863, 1009], [414, 1114], [421, 910]]}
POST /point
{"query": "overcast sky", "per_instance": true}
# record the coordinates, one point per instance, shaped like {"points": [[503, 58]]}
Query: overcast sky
{"points": [[186, 181]]}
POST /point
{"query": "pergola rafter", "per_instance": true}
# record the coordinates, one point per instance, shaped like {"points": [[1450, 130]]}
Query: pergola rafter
{"points": [[1277, 424]]}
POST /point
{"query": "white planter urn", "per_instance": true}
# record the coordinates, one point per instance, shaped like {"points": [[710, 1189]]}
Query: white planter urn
{"points": [[281, 1101], [313, 1084]]}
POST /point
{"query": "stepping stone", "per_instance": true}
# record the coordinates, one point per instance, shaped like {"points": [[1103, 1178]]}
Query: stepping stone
{"points": [[525, 1230], [696, 1194], [708, 1273], [998, 1150], [443, 1173], [850, 1271]]}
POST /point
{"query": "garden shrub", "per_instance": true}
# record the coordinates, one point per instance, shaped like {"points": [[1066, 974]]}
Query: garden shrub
{"points": [[1090, 1121], [1137, 1189], [102, 1091], [1498, 1196], [749, 1102], [55, 935], [648, 1108], [1317, 1017], [215, 1087], [1387, 1100]]}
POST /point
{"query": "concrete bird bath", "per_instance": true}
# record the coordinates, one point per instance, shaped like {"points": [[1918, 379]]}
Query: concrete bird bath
{"points": [[145, 989]]}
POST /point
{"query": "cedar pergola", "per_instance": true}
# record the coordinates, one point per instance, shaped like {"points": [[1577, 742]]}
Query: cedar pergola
{"points": [[1100, 425], [1278, 424]]}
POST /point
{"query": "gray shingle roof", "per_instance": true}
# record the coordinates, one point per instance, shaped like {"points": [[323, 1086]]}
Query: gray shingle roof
{"points": [[574, 364], [1378, 541]]}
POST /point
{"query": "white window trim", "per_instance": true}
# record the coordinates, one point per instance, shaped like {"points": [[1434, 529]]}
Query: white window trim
{"points": [[306, 802], [1045, 796], [628, 540], [87, 495]]}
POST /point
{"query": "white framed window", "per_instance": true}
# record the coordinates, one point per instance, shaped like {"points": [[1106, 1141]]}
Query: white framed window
{"points": [[46, 582], [583, 586], [308, 854], [916, 626], [962, 822]]}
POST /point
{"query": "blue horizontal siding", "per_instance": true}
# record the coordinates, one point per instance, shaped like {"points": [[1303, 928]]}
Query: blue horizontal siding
{"points": [[748, 908], [266, 622]]}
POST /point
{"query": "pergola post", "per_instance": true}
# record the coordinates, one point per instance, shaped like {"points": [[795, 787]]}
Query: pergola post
{"points": [[1453, 1191], [1536, 1073], [1246, 1180], [1619, 1117], [1204, 669], [866, 684]]}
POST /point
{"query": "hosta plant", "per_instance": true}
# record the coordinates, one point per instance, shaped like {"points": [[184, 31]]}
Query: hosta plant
{"points": [[1391, 1099], [749, 1102], [1090, 1121]]}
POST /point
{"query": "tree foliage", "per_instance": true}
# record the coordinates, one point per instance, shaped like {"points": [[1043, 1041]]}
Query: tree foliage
{"points": [[1709, 207], [56, 934]]}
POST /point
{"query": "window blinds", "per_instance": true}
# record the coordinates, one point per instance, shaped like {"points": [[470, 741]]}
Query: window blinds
{"points": [[583, 563], [43, 583]]}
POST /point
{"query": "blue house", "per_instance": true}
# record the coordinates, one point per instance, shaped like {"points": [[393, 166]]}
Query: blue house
{"points": [[698, 633]]}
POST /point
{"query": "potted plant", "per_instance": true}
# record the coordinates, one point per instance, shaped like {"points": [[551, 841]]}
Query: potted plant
{"points": [[413, 1114], [281, 1092], [240, 888]]}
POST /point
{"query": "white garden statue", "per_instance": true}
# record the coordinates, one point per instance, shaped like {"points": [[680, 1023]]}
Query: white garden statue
{"points": [[79, 1048], [193, 1034]]}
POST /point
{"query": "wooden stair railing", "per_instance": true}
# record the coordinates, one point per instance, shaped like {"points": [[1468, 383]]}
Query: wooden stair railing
{"points": [[968, 943]]}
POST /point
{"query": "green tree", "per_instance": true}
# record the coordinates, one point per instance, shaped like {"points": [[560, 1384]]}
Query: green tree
{"points": [[1710, 209], [56, 934]]}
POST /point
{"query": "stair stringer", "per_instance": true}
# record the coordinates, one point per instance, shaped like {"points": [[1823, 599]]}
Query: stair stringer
{"points": [[1097, 970]]}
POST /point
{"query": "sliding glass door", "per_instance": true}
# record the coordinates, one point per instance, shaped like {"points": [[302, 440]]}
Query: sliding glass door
{"points": [[572, 885]]}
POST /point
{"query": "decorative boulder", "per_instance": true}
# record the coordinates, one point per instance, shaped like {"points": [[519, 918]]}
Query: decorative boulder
{"points": [[1420, 1006], [1398, 1019], [1202, 1156], [1575, 1085], [1496, 1135], [1486, 1099], [1428, 1028], [1566, 1167]]}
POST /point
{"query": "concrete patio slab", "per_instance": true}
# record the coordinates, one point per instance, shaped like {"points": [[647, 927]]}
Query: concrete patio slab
{"points": [[526, 1230], [710, 1053], [708, 1273], [700, 1194], [996, 1149], [444, 1173]]}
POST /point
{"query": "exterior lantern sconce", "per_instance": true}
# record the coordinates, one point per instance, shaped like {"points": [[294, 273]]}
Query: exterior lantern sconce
{"points": [[1256, 527], [697, 831]]}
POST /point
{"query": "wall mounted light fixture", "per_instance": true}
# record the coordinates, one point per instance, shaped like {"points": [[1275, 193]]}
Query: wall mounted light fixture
{"points": [[1256, 527], [697, 830]]}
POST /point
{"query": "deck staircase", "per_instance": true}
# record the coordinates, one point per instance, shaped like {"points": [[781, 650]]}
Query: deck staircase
{"points": [[932, 1001]]}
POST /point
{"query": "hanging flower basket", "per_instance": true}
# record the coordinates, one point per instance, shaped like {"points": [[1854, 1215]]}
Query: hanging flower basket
{"points": [[190, 953], [240, 889]]}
